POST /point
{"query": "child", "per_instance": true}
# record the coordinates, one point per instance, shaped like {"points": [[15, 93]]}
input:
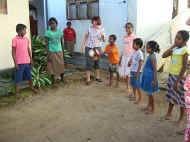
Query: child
{"points": [[69, 38], [187, 106], [113, 55], [135, 63], [124, 69], [22, 57], [179, 57], [55, 52], [149, 82]]}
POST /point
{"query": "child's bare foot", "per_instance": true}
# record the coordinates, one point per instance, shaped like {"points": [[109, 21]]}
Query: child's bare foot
{"points": [[132, 98], [149, 112], [179, 122], [145, 109], [168, 117]]}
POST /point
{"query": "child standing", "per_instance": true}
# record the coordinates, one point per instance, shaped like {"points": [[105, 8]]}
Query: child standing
{"points": [[124, 69], [179, 57], [54, 38], [135, 63], [22, 57], [113, 54], [187, 106], [149, 82], [69, 38]]}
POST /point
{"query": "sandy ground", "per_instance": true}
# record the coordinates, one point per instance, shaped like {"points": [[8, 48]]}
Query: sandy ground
{"points": [[78, 113]]}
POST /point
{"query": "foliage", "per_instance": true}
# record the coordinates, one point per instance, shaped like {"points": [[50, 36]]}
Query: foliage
{"points": [[40, 79]]}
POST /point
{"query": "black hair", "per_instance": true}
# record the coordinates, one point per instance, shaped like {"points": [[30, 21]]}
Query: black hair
{"points": [[184, 34], [138, 42], [154, 46], [130, 24], [69, 23], [53, 19], [20, 27], [114, 37]]}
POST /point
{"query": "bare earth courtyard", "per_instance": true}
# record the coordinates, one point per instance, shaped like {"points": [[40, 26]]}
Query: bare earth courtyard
{"points": [[77, 113]]}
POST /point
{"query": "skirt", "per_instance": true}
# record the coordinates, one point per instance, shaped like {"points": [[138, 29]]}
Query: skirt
{"points": [[187, 130], [55, 64], [173, 96], [124, 69], [135, 82]]}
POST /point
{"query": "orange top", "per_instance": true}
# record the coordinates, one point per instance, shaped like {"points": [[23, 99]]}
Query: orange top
{"points": [[113, 53]]}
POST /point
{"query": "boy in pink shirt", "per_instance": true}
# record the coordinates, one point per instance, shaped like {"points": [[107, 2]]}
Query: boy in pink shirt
{"points": [[22, 57]]}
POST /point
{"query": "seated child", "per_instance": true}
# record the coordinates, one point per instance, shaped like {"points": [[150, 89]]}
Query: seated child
{"points": [[113, 54]]}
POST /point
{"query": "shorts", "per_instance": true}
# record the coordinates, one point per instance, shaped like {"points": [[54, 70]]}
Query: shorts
{"points": [[90, 63], [113, 68], [135, 83], [23, 73]]}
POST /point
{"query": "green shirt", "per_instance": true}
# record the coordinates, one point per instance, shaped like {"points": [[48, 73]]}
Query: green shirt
{"points": [[54, 40]]}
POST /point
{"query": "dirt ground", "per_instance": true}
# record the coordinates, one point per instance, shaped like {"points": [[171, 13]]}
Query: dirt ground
{"points": [[75, 112]]}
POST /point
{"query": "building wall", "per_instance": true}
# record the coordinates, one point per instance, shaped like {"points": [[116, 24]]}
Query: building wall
{"points": [[18, 12], [152, 15]]}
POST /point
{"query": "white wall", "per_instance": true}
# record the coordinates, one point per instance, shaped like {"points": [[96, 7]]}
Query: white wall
{"points": [[112, 12], [151, 15]]}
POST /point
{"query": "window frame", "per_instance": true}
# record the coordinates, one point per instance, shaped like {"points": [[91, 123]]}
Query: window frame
{"points": [[77, 13], [175, 9]]}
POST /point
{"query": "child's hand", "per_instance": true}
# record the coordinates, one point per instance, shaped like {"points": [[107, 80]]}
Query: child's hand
{"points": [[130, 62], [16, 66], [136, 76], [153, 83], [176, 85]]}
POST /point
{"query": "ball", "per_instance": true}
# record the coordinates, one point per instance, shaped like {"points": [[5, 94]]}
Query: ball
{"points": [[91, 53]]}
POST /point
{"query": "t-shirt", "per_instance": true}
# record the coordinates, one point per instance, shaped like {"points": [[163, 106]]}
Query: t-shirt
{"points": [[21, 44], [69, 34], [113, 53], [128, 45], [177, 60], [136, 57], [95, 37], [54, 40]]}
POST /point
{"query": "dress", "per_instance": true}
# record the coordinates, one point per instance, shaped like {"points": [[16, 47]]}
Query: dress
{"points": [[148, 77], [124, 69]]}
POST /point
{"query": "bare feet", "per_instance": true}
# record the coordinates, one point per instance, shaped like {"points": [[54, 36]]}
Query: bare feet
{"points": [[145, 109], [168, 117], [179, 122], [149, 112]]}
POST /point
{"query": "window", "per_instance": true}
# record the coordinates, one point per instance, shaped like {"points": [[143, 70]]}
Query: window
{"points": [[82, 9], [175, 8], [3, 6]]}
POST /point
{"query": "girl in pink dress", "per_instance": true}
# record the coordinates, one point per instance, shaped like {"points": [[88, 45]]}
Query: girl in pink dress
{"points": [[187, 104], [124, 69]]}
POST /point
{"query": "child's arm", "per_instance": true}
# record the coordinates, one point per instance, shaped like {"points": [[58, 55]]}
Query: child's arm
{"points": [[14, 57], [139, 68], [168, 52], [153, 62], [84, 42], [30, 54]]}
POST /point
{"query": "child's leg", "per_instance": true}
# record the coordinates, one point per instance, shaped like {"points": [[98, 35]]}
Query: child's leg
{"points": [[17, 88], [127, 83], [62, 77], [152, 103], [117, 81], [138, 100], [110, 79], [88, 76], [31, 86], [53, 79], [150, 109], [134, 93], [169, 113], [182, 110]]}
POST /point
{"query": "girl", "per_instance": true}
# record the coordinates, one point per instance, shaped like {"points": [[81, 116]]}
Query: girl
{"points": [[135, 63], [187, 105], [149, 82], [124, 69], [54, 38], [93, 40], [179, 57]]}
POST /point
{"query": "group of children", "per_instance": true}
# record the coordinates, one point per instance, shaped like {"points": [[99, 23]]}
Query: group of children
{"points": [[141, 74]]}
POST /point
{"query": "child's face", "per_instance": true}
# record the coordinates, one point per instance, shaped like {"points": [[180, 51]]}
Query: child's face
{"points": [[53, 25], [148, 49], [23, 32], [135, 47], [111, 40], [179, 40], [68, 25], [129, 29]]}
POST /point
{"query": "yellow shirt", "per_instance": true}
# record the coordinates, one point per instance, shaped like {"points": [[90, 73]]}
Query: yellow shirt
{"points": [[177, 60]]}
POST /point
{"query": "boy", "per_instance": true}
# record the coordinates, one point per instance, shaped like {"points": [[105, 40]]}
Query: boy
{"points": [[22, 57], [69, 38], [113, 54]]}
